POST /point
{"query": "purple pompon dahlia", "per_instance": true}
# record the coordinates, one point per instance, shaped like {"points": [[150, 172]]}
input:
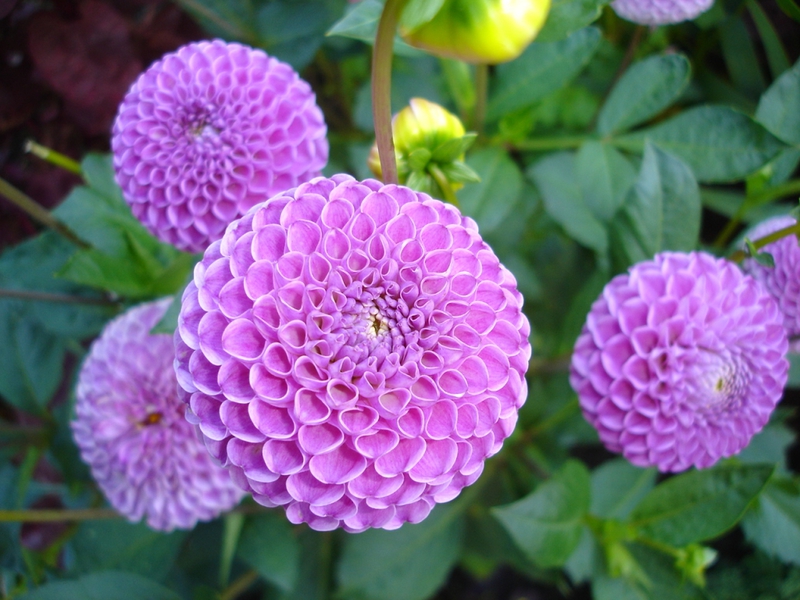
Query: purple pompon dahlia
{"points": [[353, 352], [660, 12], [130, 428], [681, 361], [207, 132], [782, 280]]}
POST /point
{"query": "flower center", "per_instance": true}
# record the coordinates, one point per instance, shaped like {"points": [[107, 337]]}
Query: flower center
{"points": [[718, 382]]}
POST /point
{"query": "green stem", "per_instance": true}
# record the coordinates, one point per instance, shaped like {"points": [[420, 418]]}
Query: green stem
{"points": [[669, 550], [441, 180], [37, 212], [544, 144], [481, 97], [562, 414], [53, 157], [57, 298], [240, 585], [57, 515], [382, 88], [233, 523], [740, 255]]}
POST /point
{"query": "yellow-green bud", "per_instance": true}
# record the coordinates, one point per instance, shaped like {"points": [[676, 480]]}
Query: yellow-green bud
{"points": [[429, 144], [480, 31]]}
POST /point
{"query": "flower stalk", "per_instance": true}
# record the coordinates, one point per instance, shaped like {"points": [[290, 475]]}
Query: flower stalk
{"points": [[740, 255], [53, 157]]}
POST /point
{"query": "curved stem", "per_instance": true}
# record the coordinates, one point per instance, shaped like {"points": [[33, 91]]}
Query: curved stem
{"points": [[39, 213], [240, 585], [481, 97], [382, 88], [441, 180], [740, 255], [53, 157]]}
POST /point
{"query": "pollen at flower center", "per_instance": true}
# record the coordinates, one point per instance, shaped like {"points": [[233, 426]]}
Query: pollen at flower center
{"points": [[718, 382]]}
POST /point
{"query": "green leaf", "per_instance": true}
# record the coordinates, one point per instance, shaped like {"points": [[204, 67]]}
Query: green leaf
{"points": [[771, 444], [453, 149], [563, 198], [718, 143], [169, 322], [699, 505], [617, 487], [568, 16], [407, 564], [794, 370], [418, 12], [418, 159], [108, 585], [360, 22], [491, 200], [542, 69], [229, 19], [774, 522], [268, 545], [740, 56], [135, 548], [458, 172], [662, 211], [646, 88], [777, 109], [605, 177], [776, 53], [547, 524]]}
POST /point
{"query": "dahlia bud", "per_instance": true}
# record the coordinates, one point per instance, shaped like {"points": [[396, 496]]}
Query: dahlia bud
{"points": [[429, 144], [783, 279], [353, 352], [681, 361], [207, 132], [660, 12], [131, 430], [480, 31]]}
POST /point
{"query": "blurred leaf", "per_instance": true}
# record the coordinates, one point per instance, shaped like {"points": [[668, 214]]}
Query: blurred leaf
{"points": [[541, 69], [718, 143], [547, 524], [776, 54], [581, 303], [740, 56], [771, 444], [617, 487], [647, 87], [794, 370], [568, 16], [314, 574], [699, 505], [268, 545], [555, 177], [491, 200], [169, 322], [108, 585], [407, 564], [418, 12], [232, 20], [791, 8], [773, 524], [360, 22], [777, 109], [605, 177], [586, 562], [134, 548], [662, 211]]}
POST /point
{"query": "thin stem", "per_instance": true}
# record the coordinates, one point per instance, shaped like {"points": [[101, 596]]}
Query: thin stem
{"points": [[233, 523], [240, 585], [481, 97], [27, 204], [58, 298], [441, 179], [557, 143], [382, 88], [740, 255], [53, 157], [562, 414], [57, 515]]}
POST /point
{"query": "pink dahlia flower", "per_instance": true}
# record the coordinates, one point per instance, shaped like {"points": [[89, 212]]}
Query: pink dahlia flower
{"points": [[131, 430], [782, 280], [353, 352], [681, 361], [207, 132], [660, 12]]}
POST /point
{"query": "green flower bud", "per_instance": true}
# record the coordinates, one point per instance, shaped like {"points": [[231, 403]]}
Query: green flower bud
{"points": [[480, 31], [429, 144]]}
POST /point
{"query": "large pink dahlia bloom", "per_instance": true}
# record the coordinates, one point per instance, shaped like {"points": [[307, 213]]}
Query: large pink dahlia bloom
{"points": [[782, 280], [207, 132], [131, 430], [681, 361], [660, 12], [353, 352]]}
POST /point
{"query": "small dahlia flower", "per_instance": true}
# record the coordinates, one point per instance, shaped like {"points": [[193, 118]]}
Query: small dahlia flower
{"points": [[207, 132], [660, 12], [353, 352], [782, 280], [131, 430], [681, 361]]}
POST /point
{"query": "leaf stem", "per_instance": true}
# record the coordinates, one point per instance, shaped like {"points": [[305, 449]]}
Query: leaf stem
{"points": [[53, 157], [240, 585], [39, 213], [233, 523], [481, 97], [382, 88], [740, 255], [441, 180]]}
